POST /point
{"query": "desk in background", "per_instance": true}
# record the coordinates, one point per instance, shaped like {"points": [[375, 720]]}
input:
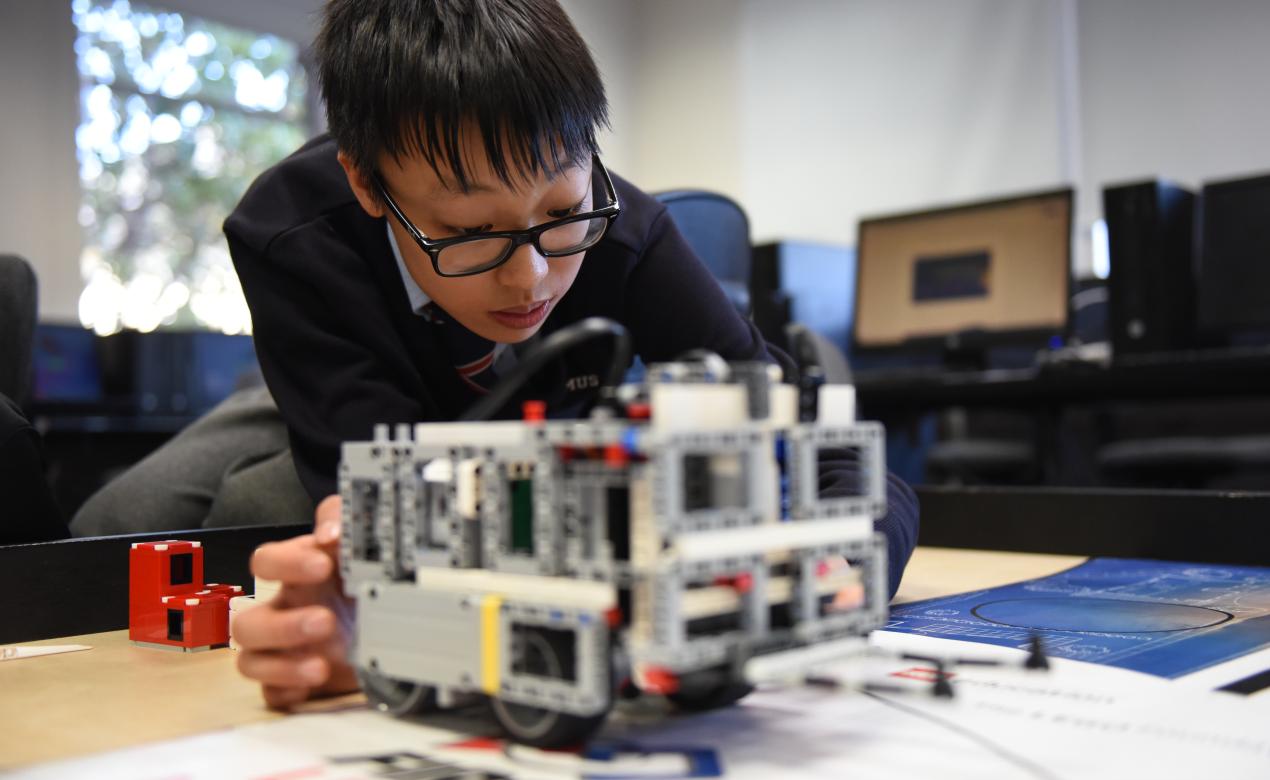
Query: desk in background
{"points": [[1159, 376], [1069, 418]]}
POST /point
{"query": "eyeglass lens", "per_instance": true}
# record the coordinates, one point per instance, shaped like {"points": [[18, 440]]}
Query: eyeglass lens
{"points": [[566, 239]]}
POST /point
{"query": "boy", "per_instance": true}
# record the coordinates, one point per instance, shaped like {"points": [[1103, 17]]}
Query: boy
{"points": [[458, 209]]}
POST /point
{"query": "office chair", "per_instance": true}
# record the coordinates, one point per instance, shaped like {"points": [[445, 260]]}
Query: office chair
{"points": [[1192, 462], [27, 504], [18, 300], [1214, 444], [983, 448], [716, 228]]}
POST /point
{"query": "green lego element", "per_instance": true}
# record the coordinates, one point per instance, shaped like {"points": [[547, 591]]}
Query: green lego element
{"points": [[522, 491]]}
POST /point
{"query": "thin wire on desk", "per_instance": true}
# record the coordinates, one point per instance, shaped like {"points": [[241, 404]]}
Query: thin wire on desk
{"points": [[983, 741]]}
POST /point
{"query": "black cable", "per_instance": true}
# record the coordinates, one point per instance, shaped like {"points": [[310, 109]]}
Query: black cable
{"points": [[555, 345], [991, 746]]}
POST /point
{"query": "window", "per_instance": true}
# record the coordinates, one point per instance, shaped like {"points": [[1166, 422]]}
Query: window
{"points": [[178, 115]]}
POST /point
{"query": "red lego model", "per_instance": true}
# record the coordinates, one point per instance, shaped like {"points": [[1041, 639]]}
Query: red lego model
{"points": [[168, 604]]}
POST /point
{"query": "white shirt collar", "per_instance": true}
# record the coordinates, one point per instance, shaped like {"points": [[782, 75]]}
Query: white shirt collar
{"points": [[504, 358], [418, 298]]}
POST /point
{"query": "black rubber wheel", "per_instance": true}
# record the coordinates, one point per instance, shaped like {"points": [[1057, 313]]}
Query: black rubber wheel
{"points": [[536, 726], [708, 690], [396, 697]]}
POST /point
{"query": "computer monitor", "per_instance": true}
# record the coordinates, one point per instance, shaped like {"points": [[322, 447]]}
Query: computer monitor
{"points": [[175, 373], [219, 365], [803, 282], [1234, 268], [819, 279], [992, 273], [65, 364]]}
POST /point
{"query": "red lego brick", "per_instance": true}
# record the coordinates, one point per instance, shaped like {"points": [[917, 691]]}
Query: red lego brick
{"points": [[168, 604], [228, 591], [206, 622], [658, 679]]}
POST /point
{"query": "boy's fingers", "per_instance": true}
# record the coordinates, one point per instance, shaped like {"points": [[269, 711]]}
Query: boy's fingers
{"points": [[279, 697], [266, 628], [295, 561], [284, 670], [326, 523], [343, 679]]}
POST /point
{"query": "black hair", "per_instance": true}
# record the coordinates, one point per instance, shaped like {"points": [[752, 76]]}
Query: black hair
{"points": [[402, 76]]}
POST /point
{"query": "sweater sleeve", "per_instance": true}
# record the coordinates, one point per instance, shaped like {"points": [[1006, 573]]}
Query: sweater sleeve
{"points": [[315, 334], [839, 476]]}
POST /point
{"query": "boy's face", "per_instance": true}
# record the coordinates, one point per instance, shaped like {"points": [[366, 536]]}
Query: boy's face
{"points": [[509, 303]]}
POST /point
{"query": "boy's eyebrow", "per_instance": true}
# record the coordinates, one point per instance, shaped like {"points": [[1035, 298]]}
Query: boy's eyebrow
{"points": [[445, 187]]}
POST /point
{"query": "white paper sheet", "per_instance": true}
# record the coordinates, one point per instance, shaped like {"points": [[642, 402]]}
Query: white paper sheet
{"points": [[1076, 721]]}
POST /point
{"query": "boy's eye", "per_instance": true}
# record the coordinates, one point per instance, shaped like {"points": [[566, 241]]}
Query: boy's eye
{"points": [[577, 208], [569, 212], [467, 231]]}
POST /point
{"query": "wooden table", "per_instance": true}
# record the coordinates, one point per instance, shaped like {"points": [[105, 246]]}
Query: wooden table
{"points": [[118, 695]]}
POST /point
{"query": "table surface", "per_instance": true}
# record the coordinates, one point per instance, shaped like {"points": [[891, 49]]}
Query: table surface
{"points": [[118, 695]]}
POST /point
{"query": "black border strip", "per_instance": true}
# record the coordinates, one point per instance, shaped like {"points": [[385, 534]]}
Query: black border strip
{"points": [[1170, 525], [80, 586]]}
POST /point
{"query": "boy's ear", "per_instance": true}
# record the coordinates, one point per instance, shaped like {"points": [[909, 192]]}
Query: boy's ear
{"points": [[362, 187]]}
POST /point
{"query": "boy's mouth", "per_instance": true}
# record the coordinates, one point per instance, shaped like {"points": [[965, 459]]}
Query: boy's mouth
{"points": [[522, 317]]}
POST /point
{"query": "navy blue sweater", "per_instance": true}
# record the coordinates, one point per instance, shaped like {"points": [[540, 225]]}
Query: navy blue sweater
{"points": [[341, 349]]}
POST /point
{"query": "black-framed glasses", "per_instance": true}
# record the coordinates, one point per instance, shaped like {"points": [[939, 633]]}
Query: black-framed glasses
{"points": [[481, 252]]}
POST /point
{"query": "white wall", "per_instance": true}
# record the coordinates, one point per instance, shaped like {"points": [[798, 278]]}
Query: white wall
{"points": [[606, 27], [39, 184], [685, 118], [812, 113], [856, 108], [1175, 89]]}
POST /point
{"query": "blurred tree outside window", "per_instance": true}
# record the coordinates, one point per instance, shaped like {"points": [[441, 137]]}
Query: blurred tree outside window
{"points": [[178, 116]]}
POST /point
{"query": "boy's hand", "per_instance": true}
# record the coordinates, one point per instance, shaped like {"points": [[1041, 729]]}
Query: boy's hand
{"points": [[296, 644]]}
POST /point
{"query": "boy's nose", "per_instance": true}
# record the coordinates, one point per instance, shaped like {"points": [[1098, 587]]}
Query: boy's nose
{"points": [[524, 270]]}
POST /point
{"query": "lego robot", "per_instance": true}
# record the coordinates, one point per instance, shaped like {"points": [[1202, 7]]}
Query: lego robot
{"points": [[672, 543]]}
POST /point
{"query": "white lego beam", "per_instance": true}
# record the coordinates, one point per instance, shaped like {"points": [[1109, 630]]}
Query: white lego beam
{"points": [[698, 407], [467, 489], [784, 406], [504, 433], [558, 592], [722, 599], [836, 405], [737, 542]]}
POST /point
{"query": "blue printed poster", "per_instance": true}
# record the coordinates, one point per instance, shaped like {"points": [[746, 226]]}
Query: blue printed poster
{"points": [[1161, 618]]}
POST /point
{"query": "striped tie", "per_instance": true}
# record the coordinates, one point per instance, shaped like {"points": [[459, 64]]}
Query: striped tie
{"points": [[472, 356]]}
